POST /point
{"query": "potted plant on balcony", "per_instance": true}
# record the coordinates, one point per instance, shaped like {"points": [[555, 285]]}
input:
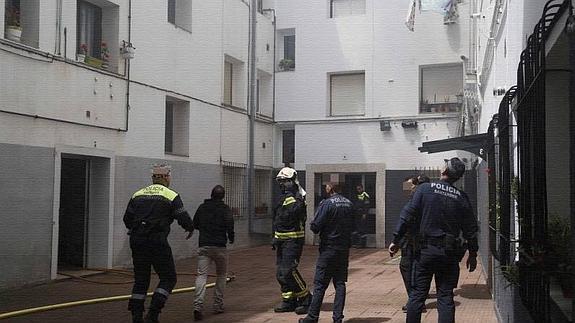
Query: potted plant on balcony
{"points": [[81, 56], [105, 55], [13, 29], [287, 64]]}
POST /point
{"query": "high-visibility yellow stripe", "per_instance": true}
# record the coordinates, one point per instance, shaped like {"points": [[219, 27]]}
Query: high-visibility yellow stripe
{"points": [[298, 280], [302, 293], [289, 200], [289, 235], [156, 189], [363, 196], [287, 295]]}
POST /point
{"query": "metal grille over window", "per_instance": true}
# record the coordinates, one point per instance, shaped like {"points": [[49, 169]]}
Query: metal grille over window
{"points": [[235, 184]]}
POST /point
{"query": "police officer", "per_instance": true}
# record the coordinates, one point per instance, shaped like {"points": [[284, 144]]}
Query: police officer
{"points": [[408, 242], [289, 228], [442, 213], [148, 217], [333, 221], [361, 206]]}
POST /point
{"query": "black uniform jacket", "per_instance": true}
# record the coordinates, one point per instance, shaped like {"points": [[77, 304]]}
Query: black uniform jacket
{"points": [[152, 210], [437, 209], [334, 222], [289, 217]]}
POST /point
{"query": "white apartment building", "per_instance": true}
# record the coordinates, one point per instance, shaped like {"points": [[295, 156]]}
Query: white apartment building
{"points": [[345, 93], [78, 138], [365, 93]]}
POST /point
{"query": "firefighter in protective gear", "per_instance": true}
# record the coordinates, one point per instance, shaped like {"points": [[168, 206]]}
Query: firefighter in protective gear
{"points": [[148, 217], [361, 205], [289, 227]]}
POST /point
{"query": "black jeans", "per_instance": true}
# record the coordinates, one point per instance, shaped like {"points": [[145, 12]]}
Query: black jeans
{"points": [[433, 261], [292, 283], [147, 252], [332, 265]]}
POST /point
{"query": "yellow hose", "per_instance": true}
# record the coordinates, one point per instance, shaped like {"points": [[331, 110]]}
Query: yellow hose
{"points": [[92, 301]]}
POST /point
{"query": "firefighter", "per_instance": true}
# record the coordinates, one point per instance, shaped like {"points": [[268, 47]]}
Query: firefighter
{"points": [[289, 227], [148, 217]]}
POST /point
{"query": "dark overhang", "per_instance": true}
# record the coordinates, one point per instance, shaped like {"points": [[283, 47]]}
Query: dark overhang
{"points": [[476, 144]]}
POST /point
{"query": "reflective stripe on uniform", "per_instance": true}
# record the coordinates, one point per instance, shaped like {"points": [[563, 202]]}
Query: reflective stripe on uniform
{"points": [[289, 200], [289, 235], [287, 295], [138, 296], [162, 291], [157, 190], [302, 293], [363, 196], [299, 280]]}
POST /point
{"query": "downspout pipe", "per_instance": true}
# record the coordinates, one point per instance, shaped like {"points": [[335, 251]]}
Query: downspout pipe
{"points": [[127, 67], [252, 108]]}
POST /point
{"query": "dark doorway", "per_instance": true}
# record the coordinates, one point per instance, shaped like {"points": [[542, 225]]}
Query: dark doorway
{"points": [[73, 213]]}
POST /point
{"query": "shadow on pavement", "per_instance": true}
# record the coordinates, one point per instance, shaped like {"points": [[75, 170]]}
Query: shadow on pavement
{"points": [[473, 291], [368, 320], [433, 304]]}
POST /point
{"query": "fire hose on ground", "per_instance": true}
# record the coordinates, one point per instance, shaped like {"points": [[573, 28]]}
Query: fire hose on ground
{"points": [[93, 301]]}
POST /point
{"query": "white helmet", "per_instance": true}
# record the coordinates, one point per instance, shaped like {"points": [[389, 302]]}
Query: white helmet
{"points": [[287, 173]]}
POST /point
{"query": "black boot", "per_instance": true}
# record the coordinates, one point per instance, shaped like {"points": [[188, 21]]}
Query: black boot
{"points": [[136, 306], [308, 320], [285, 306], [303, 304], [156, 305]]}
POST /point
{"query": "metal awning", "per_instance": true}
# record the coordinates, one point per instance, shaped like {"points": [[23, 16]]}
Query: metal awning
{"points": [[476, 144]]}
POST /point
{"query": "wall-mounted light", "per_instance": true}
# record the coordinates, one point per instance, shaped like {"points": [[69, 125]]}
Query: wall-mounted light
{"points": [[384, 125], [409, 124]]}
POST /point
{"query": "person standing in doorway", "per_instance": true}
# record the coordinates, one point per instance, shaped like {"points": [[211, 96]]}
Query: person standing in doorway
{"points": [[148, 217], [442, 214], [361, 205], [216, 225], [333, 221], [408, 244]]}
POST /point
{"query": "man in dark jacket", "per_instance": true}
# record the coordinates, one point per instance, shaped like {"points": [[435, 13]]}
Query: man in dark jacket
{"points": [[148, 217], [333, 221], [442, 213], [216, 225], [289, 234]]}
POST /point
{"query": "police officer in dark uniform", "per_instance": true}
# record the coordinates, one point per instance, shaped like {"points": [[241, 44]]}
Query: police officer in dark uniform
{"points": [[289, 236], [333, 221], [442, 214], [148, 217], [361, 205]]}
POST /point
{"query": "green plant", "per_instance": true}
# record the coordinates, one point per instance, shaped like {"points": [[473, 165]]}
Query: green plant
{"points": [[287, 64], [511, 274]]}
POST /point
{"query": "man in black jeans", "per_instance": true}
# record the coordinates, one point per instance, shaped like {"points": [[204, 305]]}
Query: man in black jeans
{"points": [[148, 217], [216, 225], [334, 222]]}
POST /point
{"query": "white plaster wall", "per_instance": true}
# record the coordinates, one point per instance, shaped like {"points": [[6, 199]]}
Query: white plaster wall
{"points": [[363, 142], [377, 42]]}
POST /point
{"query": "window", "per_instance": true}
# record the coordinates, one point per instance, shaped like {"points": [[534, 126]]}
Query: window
{"points": [[347, 94], [177, 127], [286, 49], [97, 24], [263, 193], [180, 13], [288, 146], [21, 21], [341, 8], [89, 32], [228, 83], [441, 88]]}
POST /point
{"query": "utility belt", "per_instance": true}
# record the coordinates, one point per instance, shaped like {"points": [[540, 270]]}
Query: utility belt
{"points": [[145, 229], [452, 245]]}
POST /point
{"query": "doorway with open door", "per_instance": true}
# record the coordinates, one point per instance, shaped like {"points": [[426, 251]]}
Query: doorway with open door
{"points": [[84, 215]]}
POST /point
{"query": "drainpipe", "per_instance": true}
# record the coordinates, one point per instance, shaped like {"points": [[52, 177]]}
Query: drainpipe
{"points": [[127, 67], [252, 109]]}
